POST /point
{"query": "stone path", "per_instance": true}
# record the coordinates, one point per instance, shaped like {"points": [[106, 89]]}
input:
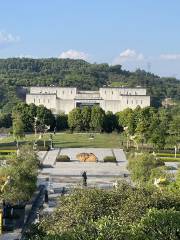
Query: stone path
{"points": [[50, 158]]}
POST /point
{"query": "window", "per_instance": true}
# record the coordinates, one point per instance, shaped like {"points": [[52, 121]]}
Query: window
{"points": [[127, 101], [63, 92], [71, 91], [34, 100], [48, 100], [132, 101], [39, 100], [141, 101], [136, 101], [105, 91], [112, 92]]}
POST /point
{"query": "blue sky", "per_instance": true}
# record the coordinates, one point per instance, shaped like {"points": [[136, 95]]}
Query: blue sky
{"points": [[134, 33]]}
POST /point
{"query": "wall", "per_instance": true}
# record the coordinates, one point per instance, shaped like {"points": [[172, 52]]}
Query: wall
{"points": [[48, 100], [60, 99]]}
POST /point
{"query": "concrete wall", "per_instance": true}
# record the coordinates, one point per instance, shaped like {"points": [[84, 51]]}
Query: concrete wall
{"points": [[116, 93], [48, 100], [61, 92], [110, 99]]}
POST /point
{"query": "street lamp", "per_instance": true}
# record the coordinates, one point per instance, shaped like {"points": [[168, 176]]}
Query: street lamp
{"points": [[35, 125]]}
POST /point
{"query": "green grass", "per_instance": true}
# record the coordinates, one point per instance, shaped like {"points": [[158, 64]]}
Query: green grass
{"points": [[67, 140]]}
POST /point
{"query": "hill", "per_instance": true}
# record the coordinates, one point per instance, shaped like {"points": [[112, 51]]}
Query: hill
{"points": [[18, 72]]}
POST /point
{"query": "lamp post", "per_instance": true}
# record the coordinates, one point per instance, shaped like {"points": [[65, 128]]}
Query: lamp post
{"points": [[1, 220], [35, 126], [175, 151]]}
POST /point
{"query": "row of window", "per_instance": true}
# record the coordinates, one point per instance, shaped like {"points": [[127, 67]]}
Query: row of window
{"points": [[128, 101], [136, 102], [41, 101], [126, 93], [53, 92]]}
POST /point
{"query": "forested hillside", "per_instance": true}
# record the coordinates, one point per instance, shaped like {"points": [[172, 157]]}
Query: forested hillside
{"points": [[16, 72]]}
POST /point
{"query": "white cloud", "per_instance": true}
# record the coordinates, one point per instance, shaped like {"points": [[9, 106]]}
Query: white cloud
{"points": [[73, 54], [7, 38], [128, 55], [170, 56]]}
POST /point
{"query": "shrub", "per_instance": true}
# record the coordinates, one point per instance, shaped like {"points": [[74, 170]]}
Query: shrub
{"points": [[42, 148], [110, 159], [63, 158]]}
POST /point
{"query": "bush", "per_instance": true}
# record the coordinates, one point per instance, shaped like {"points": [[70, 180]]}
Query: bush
{"points": [[63, 158], [109, 159], [42, 148]]}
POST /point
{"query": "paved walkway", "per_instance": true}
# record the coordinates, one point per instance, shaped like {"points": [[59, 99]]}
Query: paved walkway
{"points": [[50, 158]]}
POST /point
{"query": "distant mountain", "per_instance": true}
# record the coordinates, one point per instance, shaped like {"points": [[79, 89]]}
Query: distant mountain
{"points": [[17, 72]]}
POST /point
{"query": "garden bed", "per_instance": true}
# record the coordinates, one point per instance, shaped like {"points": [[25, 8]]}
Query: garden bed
{"points": [[110, 159]]}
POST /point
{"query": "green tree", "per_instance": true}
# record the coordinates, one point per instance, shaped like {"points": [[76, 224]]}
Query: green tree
{"points": [[97, 118], [141, 166], [45, 117], [61, 122], [23, 172], [18, 126], [75, 119], [110, 122], [86, 118]]}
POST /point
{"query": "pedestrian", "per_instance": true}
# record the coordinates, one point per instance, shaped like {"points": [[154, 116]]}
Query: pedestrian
{"points": [[84, 175]]}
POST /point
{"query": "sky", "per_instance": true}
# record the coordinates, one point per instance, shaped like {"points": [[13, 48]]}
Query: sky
{"points": [[134, 33]]}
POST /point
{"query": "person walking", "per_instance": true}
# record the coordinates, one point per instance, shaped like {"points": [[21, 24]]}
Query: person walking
{"points": [[84, 175]]}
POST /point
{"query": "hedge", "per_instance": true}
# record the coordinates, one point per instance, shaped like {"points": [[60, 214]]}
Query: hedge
{"points": [[109, 159], [7, 151], [42, 148], [164, 159], [63, 158], [167, 154]]}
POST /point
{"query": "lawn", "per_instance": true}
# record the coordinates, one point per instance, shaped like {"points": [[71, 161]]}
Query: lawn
{"points": [[66, 140], [83, 140]]}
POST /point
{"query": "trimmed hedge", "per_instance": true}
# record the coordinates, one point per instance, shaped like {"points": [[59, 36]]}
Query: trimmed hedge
{"points": [[7, 151], [164, 159], [63, 158], [167, 154], [42, 148], [109, 159]]}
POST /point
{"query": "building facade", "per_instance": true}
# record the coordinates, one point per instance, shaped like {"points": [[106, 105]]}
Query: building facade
{"points": [[64, 99]]}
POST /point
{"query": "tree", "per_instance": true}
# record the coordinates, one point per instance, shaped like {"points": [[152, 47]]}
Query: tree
{"points": [[18, 126], [5, 120], [75, 119], [61, 122], [86, 118], [97, 118], [141, 167], [45, 117], [23, 171], [110, 122]]}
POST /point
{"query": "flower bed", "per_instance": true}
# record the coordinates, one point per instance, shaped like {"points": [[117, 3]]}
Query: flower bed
{"points": [[109, 159], [63, 158]]}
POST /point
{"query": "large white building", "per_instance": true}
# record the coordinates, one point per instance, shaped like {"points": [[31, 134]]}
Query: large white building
{"points": [[64, 99]]}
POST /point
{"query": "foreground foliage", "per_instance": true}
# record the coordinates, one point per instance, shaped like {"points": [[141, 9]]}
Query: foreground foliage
{"points": [[125, 213], [22, 171]]}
